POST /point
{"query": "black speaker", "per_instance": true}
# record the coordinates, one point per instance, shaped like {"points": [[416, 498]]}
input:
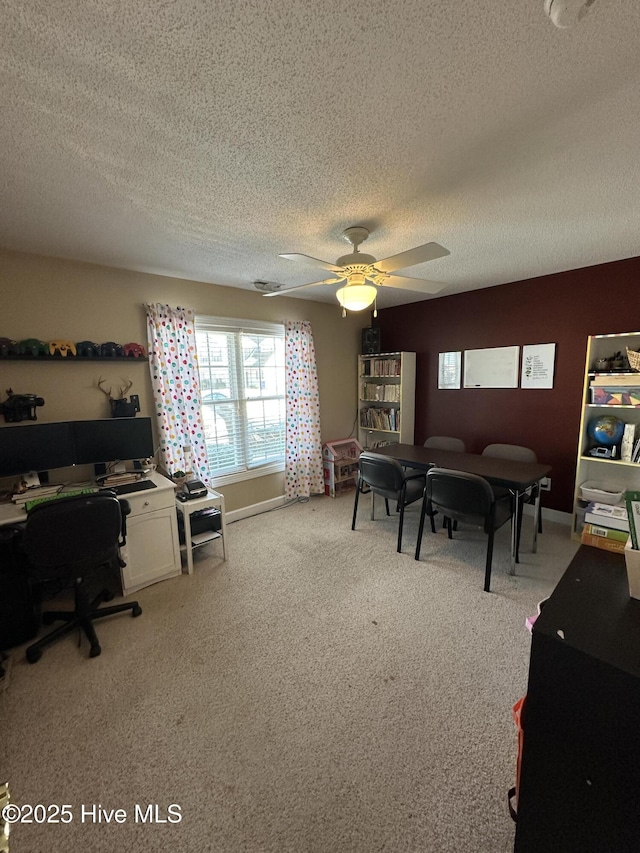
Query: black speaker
{"points": [[370, 340]]}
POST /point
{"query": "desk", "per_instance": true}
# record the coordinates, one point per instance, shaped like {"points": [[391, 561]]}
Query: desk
{"points": [[187, 508], [152, 552], [515, 476]]}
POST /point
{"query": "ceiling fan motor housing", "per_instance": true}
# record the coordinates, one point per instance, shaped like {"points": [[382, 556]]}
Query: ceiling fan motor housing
{"points": [[355, 258]]}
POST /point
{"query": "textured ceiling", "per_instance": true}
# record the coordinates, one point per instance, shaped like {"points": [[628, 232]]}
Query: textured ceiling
{"points": [[201, 138]]}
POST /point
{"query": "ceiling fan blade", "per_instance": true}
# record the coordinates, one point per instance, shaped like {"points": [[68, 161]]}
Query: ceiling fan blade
{"points": [[312, 262], [300, 286], [419, 285], [419, 255]]}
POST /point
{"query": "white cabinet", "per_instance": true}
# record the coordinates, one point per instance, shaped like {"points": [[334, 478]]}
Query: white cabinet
{"points": [[152, 552], [386, 398], [608, 391]]}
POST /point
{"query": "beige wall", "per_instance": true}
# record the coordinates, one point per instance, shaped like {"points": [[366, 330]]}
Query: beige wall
{"points": [[51, 298]]}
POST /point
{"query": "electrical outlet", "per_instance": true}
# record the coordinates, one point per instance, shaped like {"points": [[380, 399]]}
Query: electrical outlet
{"points": [[135, 402], [545, 484]]}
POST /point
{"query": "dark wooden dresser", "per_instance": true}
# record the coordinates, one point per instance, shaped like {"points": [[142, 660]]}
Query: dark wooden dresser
{"points": [[580, 771]]}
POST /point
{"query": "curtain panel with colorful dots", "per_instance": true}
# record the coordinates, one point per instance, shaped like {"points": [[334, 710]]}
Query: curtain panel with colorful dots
{"points": [[173, 363], [303, 453]]}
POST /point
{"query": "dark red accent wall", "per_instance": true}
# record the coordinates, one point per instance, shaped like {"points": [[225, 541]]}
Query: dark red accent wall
{"points": [[564, 309]]}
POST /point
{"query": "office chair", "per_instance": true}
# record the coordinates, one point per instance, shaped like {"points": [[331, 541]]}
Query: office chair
{"points": [[70, 539], [465, 497], [519, 454], [384, 476]]}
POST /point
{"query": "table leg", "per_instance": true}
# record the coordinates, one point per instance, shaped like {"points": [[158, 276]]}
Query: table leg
{"points": [[515, 496], [536, 520], [223, 527], [186, 515]]}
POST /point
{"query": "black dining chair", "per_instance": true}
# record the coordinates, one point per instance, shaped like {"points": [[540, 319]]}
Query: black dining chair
{"points": [[446, 442], [468, 498], [440, 442], [69, 540], [519, 454], [385, 476]]}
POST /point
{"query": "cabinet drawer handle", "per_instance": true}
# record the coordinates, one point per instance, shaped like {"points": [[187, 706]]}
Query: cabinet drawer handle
{"points": [[146, 503]]}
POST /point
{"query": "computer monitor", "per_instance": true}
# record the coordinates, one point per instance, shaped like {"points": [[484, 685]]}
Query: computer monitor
{"points": [[35, 447], [112, 440]]}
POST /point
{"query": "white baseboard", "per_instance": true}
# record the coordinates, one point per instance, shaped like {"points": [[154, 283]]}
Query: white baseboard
{"points": [[551, 514], [254, 509], [264, 506]]}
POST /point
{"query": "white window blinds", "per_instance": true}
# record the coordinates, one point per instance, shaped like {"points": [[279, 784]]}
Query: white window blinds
{"points": [[242, 379]]}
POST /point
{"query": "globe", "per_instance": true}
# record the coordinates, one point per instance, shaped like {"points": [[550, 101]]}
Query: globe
{"points": [[606, 430]]}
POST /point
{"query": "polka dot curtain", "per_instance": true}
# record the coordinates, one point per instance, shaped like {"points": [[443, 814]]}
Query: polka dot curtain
{"points": [[173, 363], [303, 453]]}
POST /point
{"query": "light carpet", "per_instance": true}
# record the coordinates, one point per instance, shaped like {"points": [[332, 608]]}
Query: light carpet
{"points": [[316, 693]]}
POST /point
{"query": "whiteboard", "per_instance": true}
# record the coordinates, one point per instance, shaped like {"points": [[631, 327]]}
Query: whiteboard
{"points": [[494, 367]]}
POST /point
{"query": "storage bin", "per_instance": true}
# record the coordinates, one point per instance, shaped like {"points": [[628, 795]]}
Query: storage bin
{"points": [[601, 492]]}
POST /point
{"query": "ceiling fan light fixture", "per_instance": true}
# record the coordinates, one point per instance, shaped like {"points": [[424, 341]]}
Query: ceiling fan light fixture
{"points": [[355, 296]]}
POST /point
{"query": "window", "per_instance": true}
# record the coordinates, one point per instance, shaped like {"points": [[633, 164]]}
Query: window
{"points": [[242, 382]]}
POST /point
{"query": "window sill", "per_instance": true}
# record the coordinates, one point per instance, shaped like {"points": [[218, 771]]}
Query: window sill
{"points": [[251, 474]]}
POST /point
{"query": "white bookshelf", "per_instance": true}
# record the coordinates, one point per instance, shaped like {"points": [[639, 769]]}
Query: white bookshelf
{"points": [[386, 399], [613, 474]]}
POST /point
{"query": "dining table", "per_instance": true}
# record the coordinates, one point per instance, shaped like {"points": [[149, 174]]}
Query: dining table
{"points": [[513, 475]]}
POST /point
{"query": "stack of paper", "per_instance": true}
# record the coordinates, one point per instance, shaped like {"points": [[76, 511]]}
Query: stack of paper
{"points": [[35, 492], [607, 515]]}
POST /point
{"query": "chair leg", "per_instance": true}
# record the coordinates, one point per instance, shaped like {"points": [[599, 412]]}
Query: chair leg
{"points": [[449, 534], [386, 504], [90, 633], [400, 523], [487, 570], [34, 651], [519, 531], [82, 617], [355, 505], [423, 512]]}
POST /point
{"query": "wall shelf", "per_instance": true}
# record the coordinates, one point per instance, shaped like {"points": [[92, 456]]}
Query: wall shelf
{"points": [[58, 359]]}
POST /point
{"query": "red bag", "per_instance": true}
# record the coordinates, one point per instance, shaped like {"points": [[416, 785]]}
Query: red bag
{"points": [[513, 792]]}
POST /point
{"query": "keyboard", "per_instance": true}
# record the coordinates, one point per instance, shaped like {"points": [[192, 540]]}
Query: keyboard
{"points": [[127, 488]]}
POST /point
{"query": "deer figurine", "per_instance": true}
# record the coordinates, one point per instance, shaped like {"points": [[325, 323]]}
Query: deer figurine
{"points": [[120, 406]]}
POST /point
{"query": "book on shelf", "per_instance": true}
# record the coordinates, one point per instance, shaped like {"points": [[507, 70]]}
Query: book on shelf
{"points": [[632, 501], [606, 532], [630, 380], [602, 542], [119, 479], [607, 515]]}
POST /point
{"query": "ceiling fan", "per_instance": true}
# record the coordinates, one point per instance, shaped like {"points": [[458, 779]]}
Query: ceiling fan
{"points": [[363, 274]]}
